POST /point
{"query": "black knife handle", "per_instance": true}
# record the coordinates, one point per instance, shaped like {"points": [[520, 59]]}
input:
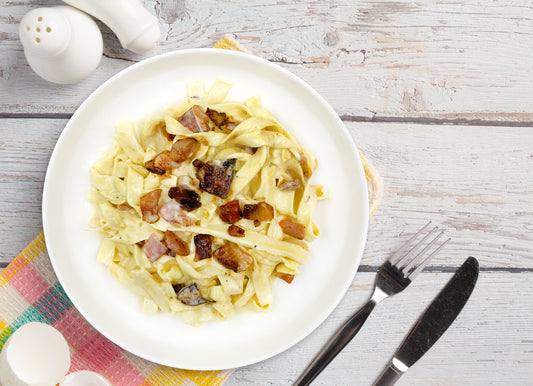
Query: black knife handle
{"points": [[335, 345], [388, 377]]}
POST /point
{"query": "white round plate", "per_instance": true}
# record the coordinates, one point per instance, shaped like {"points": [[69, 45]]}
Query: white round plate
{"points": [[146, 88]]}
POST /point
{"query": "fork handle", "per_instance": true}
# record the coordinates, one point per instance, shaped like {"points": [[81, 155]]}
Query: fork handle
{"points": [[335, 344]]}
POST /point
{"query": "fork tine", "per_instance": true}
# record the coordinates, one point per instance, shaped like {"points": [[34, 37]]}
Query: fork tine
{"points": [[413, 250], [422, 265], [397, 254], [415, 259]]}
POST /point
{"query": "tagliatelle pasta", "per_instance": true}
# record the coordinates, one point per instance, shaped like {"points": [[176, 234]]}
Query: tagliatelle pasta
{"points": [[203, 206]]}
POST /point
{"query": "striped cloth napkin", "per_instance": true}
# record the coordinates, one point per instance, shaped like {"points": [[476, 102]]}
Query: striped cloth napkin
{"points": [[30, 292]]}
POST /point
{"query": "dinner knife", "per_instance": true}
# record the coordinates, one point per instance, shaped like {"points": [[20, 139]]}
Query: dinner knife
{"points": [[433, 323]]}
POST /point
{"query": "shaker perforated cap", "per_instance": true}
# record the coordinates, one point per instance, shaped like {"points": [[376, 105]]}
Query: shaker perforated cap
{"points": [[44, 32], [62, 44]]}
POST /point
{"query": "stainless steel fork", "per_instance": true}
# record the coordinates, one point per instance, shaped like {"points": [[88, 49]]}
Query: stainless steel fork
{"points": [[393, 277]]}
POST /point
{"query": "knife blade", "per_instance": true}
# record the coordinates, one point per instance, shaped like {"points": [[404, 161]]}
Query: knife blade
{"points": [[433, 322]]}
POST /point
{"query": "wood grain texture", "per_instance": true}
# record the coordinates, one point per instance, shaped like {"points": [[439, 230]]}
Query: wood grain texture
{"points": [[476, 181], [407, 67], [26, 146], [490, 343], [466, 61]]}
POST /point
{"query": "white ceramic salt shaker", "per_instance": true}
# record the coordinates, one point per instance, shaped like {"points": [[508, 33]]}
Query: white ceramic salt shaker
{"points": [[62, 44], [136, 28]]}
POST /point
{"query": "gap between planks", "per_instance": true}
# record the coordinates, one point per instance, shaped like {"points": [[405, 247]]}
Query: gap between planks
{"points": [[343, 117]]}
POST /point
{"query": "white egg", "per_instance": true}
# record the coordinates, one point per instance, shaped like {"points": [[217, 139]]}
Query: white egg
{"points": [[35, 354], [85, 378]]}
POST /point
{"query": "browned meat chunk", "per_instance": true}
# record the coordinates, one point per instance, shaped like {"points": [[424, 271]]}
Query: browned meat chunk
{"points": [[235, 231], [293, 229], [154, 248], [150, 166], [218, 118], [191, 296], [183, 149], [284, 276], [230, 212], [231, 256], [203, 245], [221, 119], [289, 185], [195, 119], [186, 197], [124, 207], [172, 212], [150, 206], [215, 176], [258, 212], [175, 244], [231, 125], [164, 161]]}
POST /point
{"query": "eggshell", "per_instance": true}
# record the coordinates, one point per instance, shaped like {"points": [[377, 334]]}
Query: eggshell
{"points": [[35, 354], [85, 378]]}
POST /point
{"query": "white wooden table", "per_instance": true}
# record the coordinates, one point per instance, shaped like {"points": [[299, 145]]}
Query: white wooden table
{"points": [[438, 94]]}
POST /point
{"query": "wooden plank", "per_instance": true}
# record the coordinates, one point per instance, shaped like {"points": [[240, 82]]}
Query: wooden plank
{"points": [[475, 181], [489, 343], [466, 61], [26, 148]]}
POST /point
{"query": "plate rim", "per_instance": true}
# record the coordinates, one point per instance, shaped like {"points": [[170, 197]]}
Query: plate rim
{"points": [[199, 51]]}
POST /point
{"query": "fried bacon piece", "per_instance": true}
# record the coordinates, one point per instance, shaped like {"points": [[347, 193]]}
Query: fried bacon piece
{"points": [[231, 125], [154, 248], [186, 197], [293, 229], [218, 118], [215, 176], [258, 212], [235, 231], [284, 276], [230, 212], [203, 245], [124, 207], [175, 244], [173, 213], [183, 149], [191, 296], [195, 119], [164, 161], [286, 185], [150, 166], [221, 119], [231, 256], [150, 206]]}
